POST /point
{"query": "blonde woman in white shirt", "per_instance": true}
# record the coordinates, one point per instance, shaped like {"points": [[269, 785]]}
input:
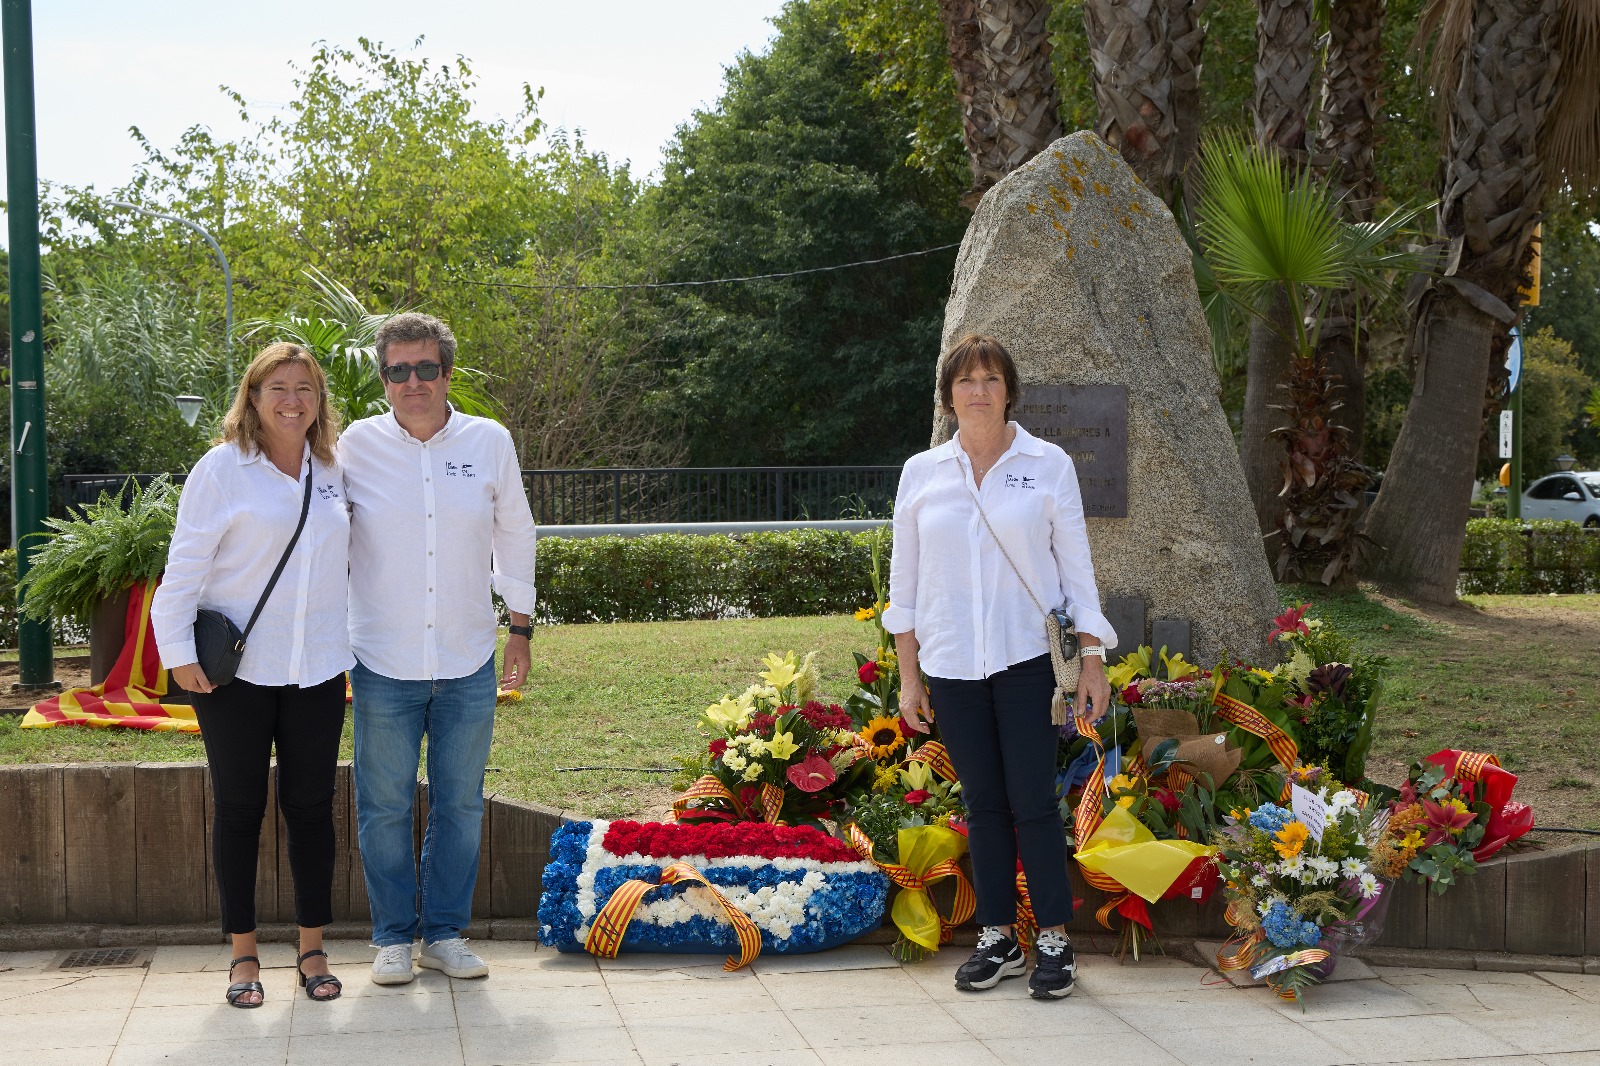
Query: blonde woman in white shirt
{"points": [[961, 614], [239, 508]]}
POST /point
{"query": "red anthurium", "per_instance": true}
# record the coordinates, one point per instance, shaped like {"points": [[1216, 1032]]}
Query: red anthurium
{"points": [[812, 774], [917, 797]]}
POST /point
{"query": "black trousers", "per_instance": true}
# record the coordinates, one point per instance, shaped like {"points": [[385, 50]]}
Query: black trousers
{"points": [[241, 723], [1000, 737]]}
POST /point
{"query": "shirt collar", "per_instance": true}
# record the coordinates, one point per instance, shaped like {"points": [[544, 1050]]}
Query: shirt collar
{"points": [[254, 454], [1024, 442], [450, 422]]}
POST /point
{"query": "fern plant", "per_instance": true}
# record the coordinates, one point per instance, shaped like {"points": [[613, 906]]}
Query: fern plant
{"points": [[89, 557]]}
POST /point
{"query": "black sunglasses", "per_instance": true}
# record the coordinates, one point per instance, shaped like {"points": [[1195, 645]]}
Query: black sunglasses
{"points": [[400, 373]]}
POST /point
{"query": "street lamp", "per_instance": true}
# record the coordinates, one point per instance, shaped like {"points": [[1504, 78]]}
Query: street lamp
{"points": [[189, 407], [1565, 462], [227, 285]]}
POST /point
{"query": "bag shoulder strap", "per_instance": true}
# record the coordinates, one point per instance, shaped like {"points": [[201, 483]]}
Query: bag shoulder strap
{"points": [[1006, 554], [305, 508]]}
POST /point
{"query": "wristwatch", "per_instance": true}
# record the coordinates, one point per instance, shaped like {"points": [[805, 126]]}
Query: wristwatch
{"points": [[520, 631], [1097, 650]]}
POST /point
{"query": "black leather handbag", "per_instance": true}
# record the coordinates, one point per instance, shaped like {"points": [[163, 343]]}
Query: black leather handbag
{"points": [[218, 643]]}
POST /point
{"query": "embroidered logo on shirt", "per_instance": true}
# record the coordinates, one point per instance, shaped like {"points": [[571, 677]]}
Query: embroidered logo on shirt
{"points": [[464, 470], [328, 492], [1013, 481]]}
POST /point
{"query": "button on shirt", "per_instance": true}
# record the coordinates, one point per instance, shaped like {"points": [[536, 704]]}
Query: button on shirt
{"points": [[433, 524], [235, 517], [948, 580]]}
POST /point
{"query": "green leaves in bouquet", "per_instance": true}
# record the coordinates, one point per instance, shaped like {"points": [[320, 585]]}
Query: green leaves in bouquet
{"points": [[89, 557]]}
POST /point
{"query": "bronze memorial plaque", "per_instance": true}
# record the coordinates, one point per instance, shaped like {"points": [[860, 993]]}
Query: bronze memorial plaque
{"points": [[1089, 423]]}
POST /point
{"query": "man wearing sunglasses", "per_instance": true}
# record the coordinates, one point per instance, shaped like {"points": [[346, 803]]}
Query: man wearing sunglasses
{"points": [[438, 515]]}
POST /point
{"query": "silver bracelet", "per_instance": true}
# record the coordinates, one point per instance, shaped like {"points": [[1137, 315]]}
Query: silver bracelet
{"points": [[1096, 650]]}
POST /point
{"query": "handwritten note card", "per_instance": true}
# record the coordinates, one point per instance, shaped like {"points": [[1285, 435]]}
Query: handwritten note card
{"points": [[1309, 811]]}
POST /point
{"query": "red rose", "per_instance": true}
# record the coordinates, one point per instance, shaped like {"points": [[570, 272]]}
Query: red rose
{"points": [[1166, 798], [1130, 695], [868, 672], [905, 729], [717, 747], [917, 797]]}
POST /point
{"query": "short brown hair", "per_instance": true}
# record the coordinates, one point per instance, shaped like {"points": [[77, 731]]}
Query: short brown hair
{"points": [[415, 326], [971, 352], [242, 426]]}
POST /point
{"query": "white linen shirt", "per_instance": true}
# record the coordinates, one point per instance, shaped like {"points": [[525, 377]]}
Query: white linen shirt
{"points": [[949, 582], [235, 516], [433, 524]]}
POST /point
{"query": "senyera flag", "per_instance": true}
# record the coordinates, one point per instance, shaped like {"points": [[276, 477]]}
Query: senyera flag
{"points": [[130, 696]]}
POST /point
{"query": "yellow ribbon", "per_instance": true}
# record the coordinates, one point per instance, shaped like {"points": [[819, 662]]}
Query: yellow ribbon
{"points": [[708, 787], [610, 925], [928, 854]]}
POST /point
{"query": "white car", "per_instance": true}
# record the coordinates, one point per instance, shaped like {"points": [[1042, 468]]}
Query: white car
{"points": [[1572, 495]]}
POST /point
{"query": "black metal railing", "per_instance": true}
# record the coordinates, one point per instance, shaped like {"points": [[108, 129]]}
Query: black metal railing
{"points": [[637, 495]]}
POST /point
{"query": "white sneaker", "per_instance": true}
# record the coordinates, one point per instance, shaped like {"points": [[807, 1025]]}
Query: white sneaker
{"points": [[454, 958], [393, 965]]}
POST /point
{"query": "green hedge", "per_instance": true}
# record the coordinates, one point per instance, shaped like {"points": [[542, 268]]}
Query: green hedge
{"points": [[674, 576], [8, 598], [1506, 556]]}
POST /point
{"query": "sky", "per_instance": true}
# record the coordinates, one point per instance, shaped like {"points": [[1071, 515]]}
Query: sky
{"points": [[626, 72]]}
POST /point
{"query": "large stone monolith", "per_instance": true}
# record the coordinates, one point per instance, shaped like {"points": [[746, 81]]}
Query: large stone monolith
{"points": [[1082, 274]]}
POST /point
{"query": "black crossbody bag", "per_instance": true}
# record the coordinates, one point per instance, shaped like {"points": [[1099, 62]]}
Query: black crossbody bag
{"points": [[218, 643]]}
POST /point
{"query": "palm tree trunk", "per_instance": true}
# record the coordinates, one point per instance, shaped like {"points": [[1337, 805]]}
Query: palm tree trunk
{"points": [[1492, 189], [1010, 108], [1271, 349], [1286, 68]]}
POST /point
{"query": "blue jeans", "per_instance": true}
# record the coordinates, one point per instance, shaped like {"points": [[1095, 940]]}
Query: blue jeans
{"points": [[392, 717]]}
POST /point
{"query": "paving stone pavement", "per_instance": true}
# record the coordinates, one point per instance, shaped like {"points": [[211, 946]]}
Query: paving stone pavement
{"points": [[848, 1006]]}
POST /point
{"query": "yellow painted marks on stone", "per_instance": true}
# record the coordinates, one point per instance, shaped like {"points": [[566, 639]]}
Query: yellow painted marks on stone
{"points": [[1102, 188], [1033, 209]]}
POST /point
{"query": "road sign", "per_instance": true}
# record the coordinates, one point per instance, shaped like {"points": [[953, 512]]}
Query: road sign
{"points": [[1506, 422]]}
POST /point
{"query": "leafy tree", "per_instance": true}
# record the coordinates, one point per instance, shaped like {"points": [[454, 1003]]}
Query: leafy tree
{"points": [[1569, 293], [798, 166], [1552, 408]]}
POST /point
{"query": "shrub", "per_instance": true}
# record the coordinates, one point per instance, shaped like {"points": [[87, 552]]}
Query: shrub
{"points": [[674, 576], [1504, 556], [8, 598]]}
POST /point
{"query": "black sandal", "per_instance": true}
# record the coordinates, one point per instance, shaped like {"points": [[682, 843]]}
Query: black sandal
{"points": [[239, 989], [312, 982]]}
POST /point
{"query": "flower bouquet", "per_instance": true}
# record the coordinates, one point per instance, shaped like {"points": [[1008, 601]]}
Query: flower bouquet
{"points": [[1453, 812], [1331, 692], [776, 754], [1300, 887], [739, 888]]}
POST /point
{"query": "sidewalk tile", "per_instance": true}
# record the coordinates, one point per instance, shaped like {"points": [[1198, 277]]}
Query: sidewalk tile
{"points": [[75, 1056], [527, 980], [1469, 998], [20, 987], [615, 978], [863, 988], [795, 1057], [31, 963], [1568, 1028], [688, 1037], [212, 1021], [83, 1028], [1191, 1007], [1584, 986], [372, 1014], [1102, 975], [1406, 976], [834, 1027], [968, 1052], [1008, 1009], [1282, 1043], [79, 993], [547, 1006], [546, 1041], [1122, 1049], [651, 960], [1358, 999], [1407, 1039], [400, 1047], [644, 1001], [257, 1052], [849, 957], [1575, 1058]]}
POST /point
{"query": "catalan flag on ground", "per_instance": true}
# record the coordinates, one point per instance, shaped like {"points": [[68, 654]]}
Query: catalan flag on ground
{"points": [[130, 696]]}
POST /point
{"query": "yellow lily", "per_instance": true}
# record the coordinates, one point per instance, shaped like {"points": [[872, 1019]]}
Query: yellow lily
{"points": [[915, 775], [780, 671], [727, 715], [1176, 668], [782, 746], [1134, 665]]}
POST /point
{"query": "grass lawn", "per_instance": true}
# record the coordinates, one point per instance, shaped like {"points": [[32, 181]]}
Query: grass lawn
{"points": [[1515, 675]]}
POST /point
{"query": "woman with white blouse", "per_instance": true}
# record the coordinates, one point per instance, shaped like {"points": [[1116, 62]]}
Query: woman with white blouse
{"points": [[239, 508], [961, 614]]}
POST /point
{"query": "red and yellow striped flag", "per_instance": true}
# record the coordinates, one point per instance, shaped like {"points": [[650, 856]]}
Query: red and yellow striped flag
{"points": [[130, 696]]}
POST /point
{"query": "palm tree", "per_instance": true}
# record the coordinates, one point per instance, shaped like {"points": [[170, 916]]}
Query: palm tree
{"points": [[1516, 82], [1144, 61], [1275, 240], [1010, 108]]}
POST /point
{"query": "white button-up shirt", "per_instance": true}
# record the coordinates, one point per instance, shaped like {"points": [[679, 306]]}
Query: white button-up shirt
{"points": [[948, 580], [433, 525], [235, 517]]}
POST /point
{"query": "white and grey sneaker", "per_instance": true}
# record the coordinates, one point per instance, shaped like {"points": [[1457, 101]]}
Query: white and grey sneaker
{"points": [[393, 965], [454, 958], [1054, 967], [998, 956]]}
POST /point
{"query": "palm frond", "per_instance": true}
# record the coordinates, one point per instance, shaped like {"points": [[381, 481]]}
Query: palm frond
{"points": [[1448, 25], [1570, 142]]}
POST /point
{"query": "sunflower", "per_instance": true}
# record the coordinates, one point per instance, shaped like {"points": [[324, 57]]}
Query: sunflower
{"points": [[884, 735]]}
